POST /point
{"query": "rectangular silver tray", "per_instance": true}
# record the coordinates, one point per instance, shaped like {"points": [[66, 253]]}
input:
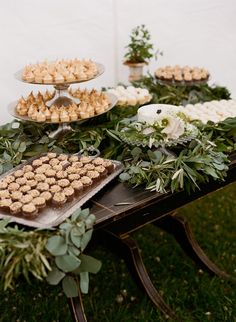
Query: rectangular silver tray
{"points": [[51, 216]]}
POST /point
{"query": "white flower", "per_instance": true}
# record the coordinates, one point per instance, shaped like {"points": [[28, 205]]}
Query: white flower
{"points": [[148, 130], [174, 127]]}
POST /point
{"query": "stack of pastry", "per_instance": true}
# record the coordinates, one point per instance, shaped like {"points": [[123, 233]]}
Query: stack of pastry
{"points": [[50, 180], [60, 71], [130, 96], [35, 107], [182, 74]]}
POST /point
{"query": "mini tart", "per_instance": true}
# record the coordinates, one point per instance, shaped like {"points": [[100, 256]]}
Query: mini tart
{"points": [[73, 158], [71, 170], [63, 183], [98, 161], [51, 155], [15, 208], [50, 173], [85, 160], [27, 168], [82, 172], [8, 179], [50, 181], [86, 181], [3, 185], [29, 210], [53, 162], [26, 198], [32, 183], [25, 188], [34, 193], [21, 181], [39, 202], [40, 177], [77, 164], [42, 186], [89, 166], [4, 194], [5, 203], [13, 186], [108, 165], [55, 188], [94, 175], [16, 195], [29, 175], [59, 199], [46, 195], [77, 185], [18, 173], [37, 163], [101, 170], [62, 157], [69, 193], [61, 174], [73, 176], [64, 164], [46, 166]]}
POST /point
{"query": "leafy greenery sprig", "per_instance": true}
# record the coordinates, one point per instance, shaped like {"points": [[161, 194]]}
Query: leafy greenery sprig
{"points": [[55, 255]]}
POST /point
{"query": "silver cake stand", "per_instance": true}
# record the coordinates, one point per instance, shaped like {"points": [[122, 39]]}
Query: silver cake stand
{"points": [[62, 98]]}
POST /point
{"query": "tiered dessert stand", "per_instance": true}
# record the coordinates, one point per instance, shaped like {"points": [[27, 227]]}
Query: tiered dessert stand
{"points": [[62, 98]]}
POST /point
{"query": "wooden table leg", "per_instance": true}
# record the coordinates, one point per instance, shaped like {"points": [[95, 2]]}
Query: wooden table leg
{"points": [[77, 308], [127, 248], [181, 230]]}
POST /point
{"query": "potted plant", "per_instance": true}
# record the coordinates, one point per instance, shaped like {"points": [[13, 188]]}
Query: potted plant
{"points": [[140, 51]]}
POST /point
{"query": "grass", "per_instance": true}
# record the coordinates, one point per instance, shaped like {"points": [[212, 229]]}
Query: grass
{"points": [[113, 296]]}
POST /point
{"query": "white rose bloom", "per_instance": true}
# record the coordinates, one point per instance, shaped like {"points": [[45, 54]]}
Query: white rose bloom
{"points": [[174, 128], [148, 130]]}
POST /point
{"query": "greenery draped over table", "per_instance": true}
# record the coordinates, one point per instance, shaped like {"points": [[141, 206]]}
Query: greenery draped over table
{"points": [[183, 166]]}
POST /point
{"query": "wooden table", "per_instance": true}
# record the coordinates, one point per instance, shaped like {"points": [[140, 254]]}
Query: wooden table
{"points": [[121, 210]]}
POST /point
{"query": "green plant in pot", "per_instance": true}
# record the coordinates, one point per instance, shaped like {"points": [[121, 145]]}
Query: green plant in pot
{"points": [[140, 51]]}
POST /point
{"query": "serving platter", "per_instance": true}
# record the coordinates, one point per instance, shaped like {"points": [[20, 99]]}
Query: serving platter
{"points": [[52, 216]]}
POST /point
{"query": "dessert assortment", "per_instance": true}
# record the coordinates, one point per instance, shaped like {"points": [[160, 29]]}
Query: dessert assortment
{"points": [[51, 180], [36, 107], [130, 96], [214, 111], [60, 71], [184, 74]]}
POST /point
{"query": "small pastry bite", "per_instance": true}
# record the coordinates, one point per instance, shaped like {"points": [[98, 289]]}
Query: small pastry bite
{"points": [[8, 179], [101, 170], [21, 181], [32, 183], [27, 168], [73, 158], [16, 195], [55, 117], [39, 202], [82, 172], [64, 116], [77, 185], [29, 210], [29, 175], [4, 194], [77, 164], [63, 183], [50, 173], [37, 163], [34, 193], [73, 176], [3, 185], [64, 164], [98, 161], [89, 166], [44, 159], [42, 186], [25, 188], [52, 155], [58, 167], [86, 181], [13, 186], [50, 180], [62, 157], [40, 177], [26, 198], [85, 159], [54, 162], [40, 170], [61, 174], [48, 79], [15, 208], [108, 165], [59, 78], [18, 173], [69, 193], [5, 203], [46, 195], [55, 188], [59, 199], [94, 175]]}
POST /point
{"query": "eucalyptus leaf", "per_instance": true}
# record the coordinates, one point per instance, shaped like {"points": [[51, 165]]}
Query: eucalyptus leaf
{"points": [[56, 245], [89, 264], [22, 147], [84, 282], [67, 263], [70, 286], [86, 238], [124, 176], [89, 222], [76, 214], [55, 276], [84, 213], [75, 236]]}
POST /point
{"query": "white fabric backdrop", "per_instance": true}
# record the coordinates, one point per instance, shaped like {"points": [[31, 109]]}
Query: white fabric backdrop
{"points": [[194, 32]]}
